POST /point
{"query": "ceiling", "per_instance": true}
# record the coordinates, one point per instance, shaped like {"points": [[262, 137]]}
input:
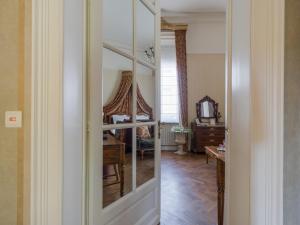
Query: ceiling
{"points": [[193, 6]]}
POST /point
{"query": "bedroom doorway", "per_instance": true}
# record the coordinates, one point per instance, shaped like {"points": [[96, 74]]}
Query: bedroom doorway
{"points": [[193, 112], [129, 102]]}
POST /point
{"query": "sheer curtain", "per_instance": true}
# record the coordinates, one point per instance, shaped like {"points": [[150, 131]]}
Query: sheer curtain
{"points": [[169, 81]]}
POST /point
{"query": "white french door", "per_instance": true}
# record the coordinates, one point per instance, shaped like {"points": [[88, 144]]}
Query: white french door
{"points": [[123, 41]]}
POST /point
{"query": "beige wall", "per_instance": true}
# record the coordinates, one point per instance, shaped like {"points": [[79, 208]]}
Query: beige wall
{"points": [[205, 57], [12, 97], [206, 76]]}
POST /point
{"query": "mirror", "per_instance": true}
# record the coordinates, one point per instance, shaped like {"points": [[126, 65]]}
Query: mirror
{"points": [[145, 78], [117, 93], [145, 33], [207, 108], [117, 164], [145, 157], [118, 24]]}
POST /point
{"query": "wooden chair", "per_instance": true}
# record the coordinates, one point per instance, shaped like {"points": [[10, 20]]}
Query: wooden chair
{"points": [[114, 155]]}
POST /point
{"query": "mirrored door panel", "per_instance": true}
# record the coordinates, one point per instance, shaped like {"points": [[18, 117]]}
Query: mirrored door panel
{"points": [[117, 88], [123, 160], [145, 33], [145, 78], [118, 24], [145, 157], [117, 164]]}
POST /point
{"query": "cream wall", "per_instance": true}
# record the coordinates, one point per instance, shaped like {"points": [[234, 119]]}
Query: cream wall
{"points": [[205, 57], [14, 40], [206, 76]]}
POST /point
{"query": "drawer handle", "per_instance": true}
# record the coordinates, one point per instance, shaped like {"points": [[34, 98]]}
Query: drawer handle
{"points": [[212, 134], [211, 140]]}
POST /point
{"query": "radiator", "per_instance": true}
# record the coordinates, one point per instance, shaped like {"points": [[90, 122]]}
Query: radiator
{"points": [[167, 137]]}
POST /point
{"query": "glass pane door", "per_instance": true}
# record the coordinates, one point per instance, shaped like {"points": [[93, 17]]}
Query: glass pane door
{"points": [[124, 156]]}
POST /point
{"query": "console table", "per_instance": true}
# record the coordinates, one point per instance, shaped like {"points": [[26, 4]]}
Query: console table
{"points": [[220, 157]]}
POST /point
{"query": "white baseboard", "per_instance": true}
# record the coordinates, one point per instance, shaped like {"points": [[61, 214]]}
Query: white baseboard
{"points": [[168, 148]]}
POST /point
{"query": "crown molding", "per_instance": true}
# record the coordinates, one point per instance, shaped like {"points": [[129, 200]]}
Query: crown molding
{"points": [[194, 18]]}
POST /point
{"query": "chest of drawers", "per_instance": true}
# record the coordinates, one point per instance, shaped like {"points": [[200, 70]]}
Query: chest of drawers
{"points": [[207, 136]]}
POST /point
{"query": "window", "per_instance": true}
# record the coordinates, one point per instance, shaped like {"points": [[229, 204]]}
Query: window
{"points": [[169, 86]]}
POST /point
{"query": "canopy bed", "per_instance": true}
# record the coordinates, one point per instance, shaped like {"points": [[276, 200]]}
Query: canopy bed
{"points": [[121, 104], [119, 110]]}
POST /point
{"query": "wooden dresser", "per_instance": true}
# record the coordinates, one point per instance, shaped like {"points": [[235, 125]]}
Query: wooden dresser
{"points": [[207, 136]]}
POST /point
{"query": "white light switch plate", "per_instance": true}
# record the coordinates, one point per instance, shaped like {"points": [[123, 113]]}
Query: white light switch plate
{"points": [[13, 119]]}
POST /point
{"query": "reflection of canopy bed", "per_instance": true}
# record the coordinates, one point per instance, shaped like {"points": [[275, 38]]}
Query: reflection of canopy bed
{"points": [[122, 102], [121, 105]]}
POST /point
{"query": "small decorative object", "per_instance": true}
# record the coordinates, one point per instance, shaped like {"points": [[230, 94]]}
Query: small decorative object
{"points": [[180, 138], [222, 147], [212, 121], [150, 54]]}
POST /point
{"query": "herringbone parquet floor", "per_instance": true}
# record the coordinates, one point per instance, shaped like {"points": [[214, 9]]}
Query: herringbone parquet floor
{"points": [[188, 190]]}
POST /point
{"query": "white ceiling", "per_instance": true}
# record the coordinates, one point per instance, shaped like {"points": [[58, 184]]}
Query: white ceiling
{"points": [[193, 6]]}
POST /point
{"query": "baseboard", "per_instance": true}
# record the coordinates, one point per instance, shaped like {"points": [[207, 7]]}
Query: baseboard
{"points": [[168, 148], [151, 218]]}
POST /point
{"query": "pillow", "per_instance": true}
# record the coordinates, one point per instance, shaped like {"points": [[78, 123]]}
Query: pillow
{"points": [[143, 132], [142, 117], [119, 118]]}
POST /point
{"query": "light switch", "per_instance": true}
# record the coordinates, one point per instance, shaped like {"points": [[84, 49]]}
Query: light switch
{"points": [[13, 119]]}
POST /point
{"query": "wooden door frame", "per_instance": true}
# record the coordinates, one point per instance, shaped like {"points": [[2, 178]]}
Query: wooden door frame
{"points": [[47, 113]]}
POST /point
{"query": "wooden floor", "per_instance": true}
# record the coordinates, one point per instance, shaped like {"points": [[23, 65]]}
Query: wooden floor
{"points": [[188, 190], [188, 187]]}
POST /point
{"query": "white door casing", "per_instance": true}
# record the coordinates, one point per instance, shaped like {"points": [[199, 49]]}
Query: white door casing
{"points": [[254, 171], [47, 113], [267, 102]]}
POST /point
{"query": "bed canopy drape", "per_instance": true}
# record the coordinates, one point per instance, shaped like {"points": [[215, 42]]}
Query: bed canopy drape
{"points": [[121, 104]]}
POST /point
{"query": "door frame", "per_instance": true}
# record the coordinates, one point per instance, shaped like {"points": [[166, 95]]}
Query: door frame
{"points": [[267, 103], [266, 85], [46, 156], [46, 175]]}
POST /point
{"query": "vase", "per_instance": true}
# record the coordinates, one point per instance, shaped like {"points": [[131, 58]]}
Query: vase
{"points": [[180, 140]]}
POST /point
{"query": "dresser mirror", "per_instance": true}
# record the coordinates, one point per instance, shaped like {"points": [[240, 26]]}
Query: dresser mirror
{"points": [[207, 109]]}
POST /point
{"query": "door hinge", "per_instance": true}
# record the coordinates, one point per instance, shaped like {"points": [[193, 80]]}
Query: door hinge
{"points": [[159, 129]]}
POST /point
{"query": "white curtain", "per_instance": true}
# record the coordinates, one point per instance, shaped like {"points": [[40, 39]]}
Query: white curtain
{"points": [[169, 81]]}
